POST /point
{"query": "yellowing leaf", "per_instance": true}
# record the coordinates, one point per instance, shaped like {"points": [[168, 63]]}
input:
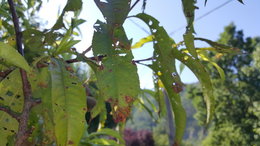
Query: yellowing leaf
{"points": [[68, 104], [142, 41], [11, 56]]}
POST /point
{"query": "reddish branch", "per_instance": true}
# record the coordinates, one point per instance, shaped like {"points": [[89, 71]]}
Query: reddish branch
{"points": [[9, 111], [23, 132]]}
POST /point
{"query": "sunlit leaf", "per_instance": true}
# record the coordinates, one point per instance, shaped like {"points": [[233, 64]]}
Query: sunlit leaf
{"points": [[68, 104], [102, 141], [11, 56], [110, 132], [11, 92], [8, 126], [142, 41], [11, 96], [219, 69]]}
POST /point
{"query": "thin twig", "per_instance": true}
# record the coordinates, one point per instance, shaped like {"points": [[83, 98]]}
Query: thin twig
{"points": [[9, 112], [87, 50], [134, 5], [147, 59], [3, 74]]}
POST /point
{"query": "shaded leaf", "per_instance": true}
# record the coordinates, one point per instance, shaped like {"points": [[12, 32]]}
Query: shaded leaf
{"points": [[111, 79], [102, 42], [114, 11], [68, 104], [73, 5], [11, 56]]}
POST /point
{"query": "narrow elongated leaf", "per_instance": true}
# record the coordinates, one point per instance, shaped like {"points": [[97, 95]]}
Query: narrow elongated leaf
{"points": [[219, 69], [106, 131], [68, 104], [199, 70], [142, 41], [189, 43], [10, 55], [103, 142], [221, 48], [189, 11], [164, 66], [41, 89]]}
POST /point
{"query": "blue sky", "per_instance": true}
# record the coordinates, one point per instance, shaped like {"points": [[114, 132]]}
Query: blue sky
{"points": [[169, 13]]}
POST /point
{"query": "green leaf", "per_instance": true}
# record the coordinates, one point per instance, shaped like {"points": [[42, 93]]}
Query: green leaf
{"points": [[11, 56], [200, 72], [68, 104], [114, 11], [121, 40], [11, 91], [142, 41], [164, 66], [182, 66], [11, 96], [102, 141], [73, 5], [102, 42], [189, 43], [41, 89], [219, 69], [8, 126], [112, 78], [221, 48], [189, 12], [108, 132]]}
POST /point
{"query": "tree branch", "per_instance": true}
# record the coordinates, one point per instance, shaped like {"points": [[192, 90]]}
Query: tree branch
{"points": [[87, 50], [9, 112], [22, 133]]}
